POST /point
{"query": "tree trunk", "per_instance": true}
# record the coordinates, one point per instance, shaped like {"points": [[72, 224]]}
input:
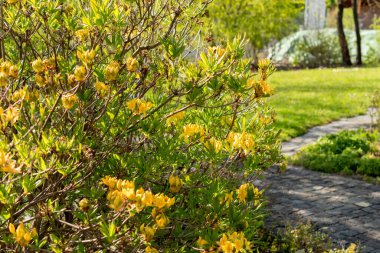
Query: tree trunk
{"points": [[357, 31], [342, 37]]}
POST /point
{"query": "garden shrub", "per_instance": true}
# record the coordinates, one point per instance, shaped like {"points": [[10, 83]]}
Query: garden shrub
{"points": [[348, 152], [113, 140], [319, 50]]}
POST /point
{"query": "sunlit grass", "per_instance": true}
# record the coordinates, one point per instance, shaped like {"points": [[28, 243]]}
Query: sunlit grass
{"points": [[306, 98]]}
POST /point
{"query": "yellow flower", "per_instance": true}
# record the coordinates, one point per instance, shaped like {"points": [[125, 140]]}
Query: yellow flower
{"points": [[139, 106], [116, 200], [201, 242], [162, 220], [7, 164], [112, 70], [132, 64], [150, 250], [175, 117], [242, 192], [69, 101], [242, 141], [87, 57], [147, 232], [83, 204], [162, 201], [225, 245], [11, 115], [5, 67], [214, 144], [40, 80], [191, 130], [80, 73], [228, 198], [71, 80], [38, 66], [13, 71], [175, 184], [147, 198], [3, 79], [82, 34], [102, 89], [21, 234]]}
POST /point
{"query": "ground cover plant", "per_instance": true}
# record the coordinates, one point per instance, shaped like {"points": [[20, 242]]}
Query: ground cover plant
{"points": [[114, 140], [348, 152], [306, 98]]}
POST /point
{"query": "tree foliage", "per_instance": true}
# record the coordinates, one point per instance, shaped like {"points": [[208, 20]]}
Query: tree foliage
{"points": [[261, 21]]}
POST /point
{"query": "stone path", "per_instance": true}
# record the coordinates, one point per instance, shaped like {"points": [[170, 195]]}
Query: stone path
{"points": [[346, 208]]}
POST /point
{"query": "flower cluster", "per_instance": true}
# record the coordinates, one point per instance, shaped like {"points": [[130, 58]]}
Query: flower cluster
{"points": [[236, 242], [112, 70], [7, 164], [175, 184], [139, 106], [10, 115], [242, 194], [21, 234], [122, 194], [7, 70], [241, 141], [193, 130], [44, 71], [173, 119], [69, 101], [87, 57]]}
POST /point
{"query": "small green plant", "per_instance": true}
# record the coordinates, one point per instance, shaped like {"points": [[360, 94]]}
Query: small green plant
{"points": [[302, 238], [348, 152], [320, 50]]}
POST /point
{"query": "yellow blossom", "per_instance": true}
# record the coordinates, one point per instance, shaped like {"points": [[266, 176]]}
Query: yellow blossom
{"points": [[150, 250], [38, 66], [147, 232], [162, 201], [132, 64], [242, 141], [242, 192], [40, 80], [83, 204], [228, 198], [71, 80], [112, 70], [175, 184], [82, 34], [7, 164], [11, 115], [139, 106], [102, 89], [214, 144], [175, 117], [87, 57], [161, 220], [116, 200], [80, 73], [191, 130], [5, 67], [202, 242], [3, 79], [13, 1], [69, 101], [22, 235], [13, 71]]}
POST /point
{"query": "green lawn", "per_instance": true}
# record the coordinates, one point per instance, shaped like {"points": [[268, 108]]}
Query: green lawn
{"points": [[306, 98]]}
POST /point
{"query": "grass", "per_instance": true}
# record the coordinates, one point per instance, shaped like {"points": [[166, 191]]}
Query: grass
{"points": [[306, 98]]}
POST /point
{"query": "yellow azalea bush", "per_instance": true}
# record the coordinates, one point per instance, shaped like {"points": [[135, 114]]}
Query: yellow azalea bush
{"points": [[121, 131]]}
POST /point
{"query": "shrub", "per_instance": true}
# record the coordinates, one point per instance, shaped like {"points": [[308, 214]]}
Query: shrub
{"points": [[347, 152], [112, 140], [375, 113], [320, 50]]}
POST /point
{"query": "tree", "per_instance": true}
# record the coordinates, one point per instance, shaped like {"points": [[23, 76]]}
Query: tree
{"points": [[342, 37], [357, 32], [261, 21]]}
